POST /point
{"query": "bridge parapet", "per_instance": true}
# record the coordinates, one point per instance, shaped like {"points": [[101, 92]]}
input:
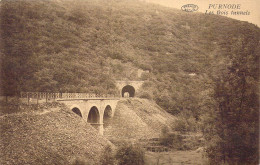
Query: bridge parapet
{"points": [[45, 95]]}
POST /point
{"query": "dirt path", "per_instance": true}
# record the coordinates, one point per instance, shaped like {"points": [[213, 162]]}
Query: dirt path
{"points": [[48, 111], [175, 158]]}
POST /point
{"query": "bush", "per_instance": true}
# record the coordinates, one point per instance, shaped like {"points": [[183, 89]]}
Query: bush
{"points": [[130, 155], [192, 143], [146, 95], [184, 124], [172, 140], [180, 142], [107, 158]]}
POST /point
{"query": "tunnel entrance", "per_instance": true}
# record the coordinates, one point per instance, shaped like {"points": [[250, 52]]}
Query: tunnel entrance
{"points": [[126, 94], [128, 91], [107, 115], [93, 116], [77, 111]]}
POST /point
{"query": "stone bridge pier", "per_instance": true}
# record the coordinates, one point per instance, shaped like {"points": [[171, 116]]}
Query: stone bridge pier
{"points": [[96, 112]]}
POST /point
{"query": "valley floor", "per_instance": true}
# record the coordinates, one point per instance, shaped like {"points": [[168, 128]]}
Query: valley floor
{"points": [[175, 158]]}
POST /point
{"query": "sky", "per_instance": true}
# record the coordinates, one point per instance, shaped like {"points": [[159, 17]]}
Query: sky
{"points": [[252, 6]]}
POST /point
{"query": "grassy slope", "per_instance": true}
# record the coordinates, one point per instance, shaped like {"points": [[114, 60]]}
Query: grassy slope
{"points": [[55, 136], [137, 119]]}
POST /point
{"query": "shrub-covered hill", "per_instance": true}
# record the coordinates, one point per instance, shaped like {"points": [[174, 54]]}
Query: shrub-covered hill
{"points": [[83, 46], [54, 136]]}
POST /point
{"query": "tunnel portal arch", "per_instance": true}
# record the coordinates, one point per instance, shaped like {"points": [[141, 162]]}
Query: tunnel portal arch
{"points": [[128, 89], [93, 115], [77, 111]]}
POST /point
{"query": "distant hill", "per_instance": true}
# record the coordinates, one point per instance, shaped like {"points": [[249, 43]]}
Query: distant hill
{"points": [[84, 46]]}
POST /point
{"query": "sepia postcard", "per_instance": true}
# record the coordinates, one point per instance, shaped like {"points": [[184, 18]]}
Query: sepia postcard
{"points": [[129, 82]]}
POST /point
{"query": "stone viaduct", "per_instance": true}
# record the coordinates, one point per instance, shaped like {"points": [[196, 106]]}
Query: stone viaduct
{"points": [[96, 111], [93, 108]]}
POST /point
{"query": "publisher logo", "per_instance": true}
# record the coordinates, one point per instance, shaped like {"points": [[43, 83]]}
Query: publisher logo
{"points": [[189, 8]]}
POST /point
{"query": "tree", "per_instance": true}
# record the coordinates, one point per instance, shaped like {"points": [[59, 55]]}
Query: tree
{"points": [[234, 139], [107, 158], [130, 154]]}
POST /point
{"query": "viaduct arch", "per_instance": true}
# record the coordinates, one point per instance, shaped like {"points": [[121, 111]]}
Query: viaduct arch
{"points": [[93, 115], [77, 111]]}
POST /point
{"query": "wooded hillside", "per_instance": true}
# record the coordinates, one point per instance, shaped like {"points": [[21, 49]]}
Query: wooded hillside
{"points": [[66, 46]]}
